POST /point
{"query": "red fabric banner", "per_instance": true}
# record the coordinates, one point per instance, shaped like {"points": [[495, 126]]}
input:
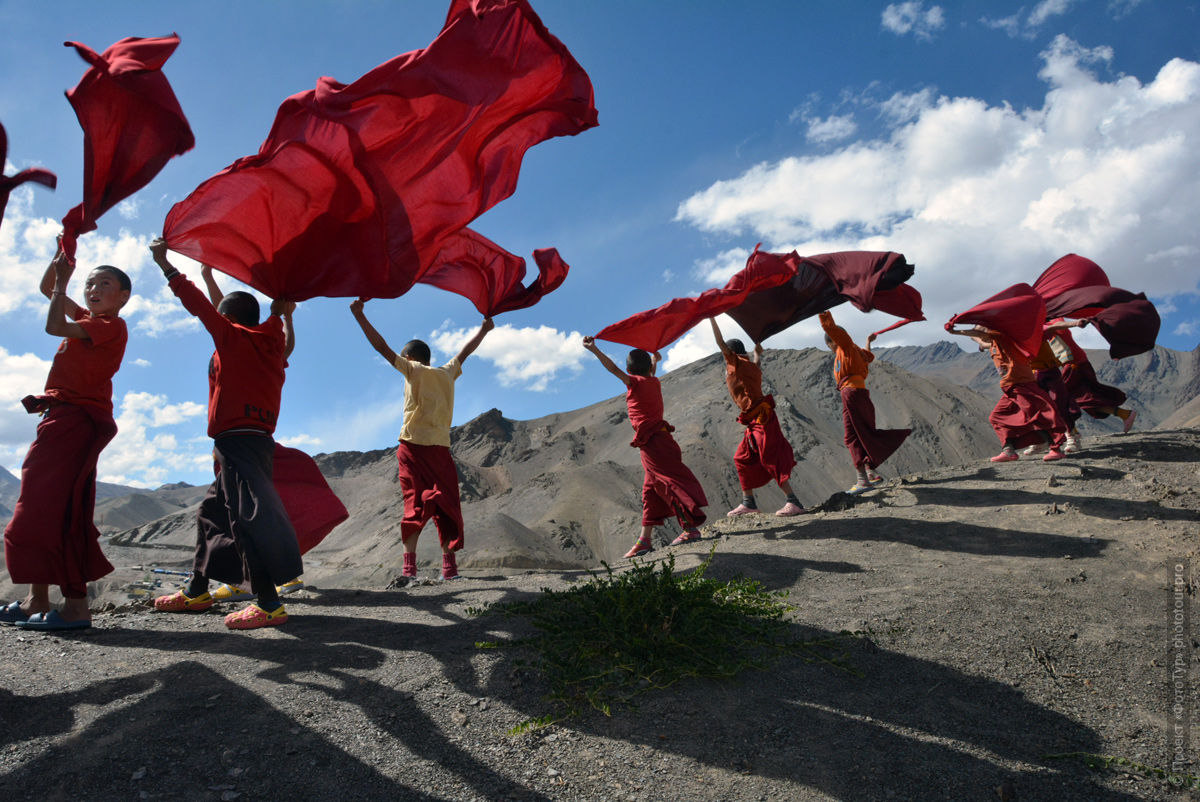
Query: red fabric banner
{"points": [[357, 187], [1017, 312], [656, 328], [132, 126], [10, 182], [311, 505], [490, 277]]}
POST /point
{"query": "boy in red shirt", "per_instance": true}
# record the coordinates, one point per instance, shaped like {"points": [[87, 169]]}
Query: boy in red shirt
{"points": [[51, 539], [426, 470], [243, 531], [669, 488], [868, 446], [764, 454]]}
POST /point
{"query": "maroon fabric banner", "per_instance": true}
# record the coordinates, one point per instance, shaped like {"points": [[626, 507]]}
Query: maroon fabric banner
{"points": [[132, 126], [656, 328], [1017, 312], [10, 182], [1067, 273], [490, 277], [311, 505], [357, 187], [821, 282]]}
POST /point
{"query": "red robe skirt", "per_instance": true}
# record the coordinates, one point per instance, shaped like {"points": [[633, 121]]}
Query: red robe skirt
{"points": [[670, 488], [764, 453], [1051, 380], [866, 443], [1094, 398], [52, 539], [430, 484], [1022, 412]]}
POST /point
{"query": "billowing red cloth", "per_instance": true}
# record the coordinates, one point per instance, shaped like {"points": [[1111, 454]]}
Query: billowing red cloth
{"points": [[654, 329], [311, 505], [52, 538], [10, 182], [1051, 380], [764, 453], [1023, 411], [904, 302], [1096, 399], [868, 279], [1068, 273], [669, 488], [132, 126], [357, 187], [429, 482], [1130, 325], [866, 443], [490, 277], [1017, 312]]}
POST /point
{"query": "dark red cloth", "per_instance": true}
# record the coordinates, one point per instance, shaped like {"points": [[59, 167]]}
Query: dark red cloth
{"points": [[669, 488], [822, 282], [10, 182], [83, 367], [764, 453], [1096, 399], [1023, 411], [490, 277], [245, 375], [132, 126], [429, 482], [654, 329], [904, 302], [1068, 273], [1017, 312], [866, 443], [357, 187], [1051, 380], [311, 504], [52, 539], [1130, 326]]}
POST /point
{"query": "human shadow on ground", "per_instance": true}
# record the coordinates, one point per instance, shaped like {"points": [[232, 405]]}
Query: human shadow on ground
{"points": [[1149, 447], [1112, 509]]}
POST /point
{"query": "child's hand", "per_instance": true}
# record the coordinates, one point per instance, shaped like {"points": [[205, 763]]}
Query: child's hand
{"points": [[356, 306], [871, 338], [205, 270], [283, 308], [158, 250], [488, 325], [63, 268], [589, 343]]}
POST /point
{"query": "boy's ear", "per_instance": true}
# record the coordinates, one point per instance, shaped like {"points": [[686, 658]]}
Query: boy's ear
{"points": [[125, 296]]}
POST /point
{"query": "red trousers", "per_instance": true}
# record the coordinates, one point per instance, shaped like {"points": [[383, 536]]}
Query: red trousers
{"points": [[866, 443], [429, 481], [669, 488]]}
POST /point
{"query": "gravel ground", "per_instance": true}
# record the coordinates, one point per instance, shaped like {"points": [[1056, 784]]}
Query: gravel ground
{"points": [[1003, 614]]}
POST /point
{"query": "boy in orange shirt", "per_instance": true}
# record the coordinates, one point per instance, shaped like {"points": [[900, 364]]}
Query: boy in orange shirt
{"points": [[764, 454]]}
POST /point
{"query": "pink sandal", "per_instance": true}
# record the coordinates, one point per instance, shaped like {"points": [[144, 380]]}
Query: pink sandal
{"points": [[180, 602], [255, 617]]}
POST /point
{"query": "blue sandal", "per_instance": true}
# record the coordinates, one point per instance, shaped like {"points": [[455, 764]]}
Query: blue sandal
{"points": [[52, 622], [12, 614]]}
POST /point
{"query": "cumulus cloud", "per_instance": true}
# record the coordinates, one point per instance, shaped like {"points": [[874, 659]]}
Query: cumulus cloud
{"points": [[525, 357], [834, 128], [129, 208], [20, 375], [302, 441], [912, 17], [144, 454], [981, 196]]}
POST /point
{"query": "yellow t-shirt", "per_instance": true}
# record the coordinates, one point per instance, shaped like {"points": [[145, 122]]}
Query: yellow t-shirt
{"points": [[428, 401]]}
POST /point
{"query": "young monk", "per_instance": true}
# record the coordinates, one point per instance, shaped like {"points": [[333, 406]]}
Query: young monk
{"points": [[1048, 375], [1096, 399], [1025, 414], [51, 539], [427, 474], [764, 454], [868, 446], [669, 488], [243, 531]]}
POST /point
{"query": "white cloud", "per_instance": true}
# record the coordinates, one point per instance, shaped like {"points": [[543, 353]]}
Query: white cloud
{"points": [[1047, 9], [831, 129], [20, 375], [1188, 328], [129, 208], [301, 441], [719, 269], [912, 17], [904, 107], [142, 457], [982, 196], [526, 357]]}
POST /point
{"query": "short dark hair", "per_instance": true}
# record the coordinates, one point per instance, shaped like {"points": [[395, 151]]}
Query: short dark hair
{"points": [[122, 280], [241, 306], [736, 346], [417, 350], [638, 362]]}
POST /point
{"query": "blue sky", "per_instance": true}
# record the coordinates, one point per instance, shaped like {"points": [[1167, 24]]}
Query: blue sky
{"points": [[981, 139]]}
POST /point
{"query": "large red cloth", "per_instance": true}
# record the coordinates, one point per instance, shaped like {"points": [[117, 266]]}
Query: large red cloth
{"points": [[10, 182], [52, 539], [1096, 399], [311, 505], [1017, 312], [357, 187], [669, 487], [868, 279], [132, 126], [429, 482], [866, 443], [1068, 273], [490, 277], [1023, 413], [656, 328]]}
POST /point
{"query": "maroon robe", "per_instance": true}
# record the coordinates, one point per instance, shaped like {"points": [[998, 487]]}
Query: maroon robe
{"points": [[429, 482], [866, 443], [764, 453]]}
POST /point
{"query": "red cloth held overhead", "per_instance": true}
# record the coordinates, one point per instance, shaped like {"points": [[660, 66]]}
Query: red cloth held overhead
{"points": [[311, 505], [1017, 312], [132, 126], [10, 182], [490, 277], [656, 328], [357, 187], [1068, 273]]}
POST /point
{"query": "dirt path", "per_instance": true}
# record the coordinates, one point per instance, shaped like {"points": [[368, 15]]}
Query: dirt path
{"points": [[1005, 613]]}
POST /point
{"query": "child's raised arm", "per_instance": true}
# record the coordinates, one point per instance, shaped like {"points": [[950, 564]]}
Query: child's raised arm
{"points": [[60, 318], [589, 343], [720, 340], [474, 342], [373, 337], [214, 292], [283, 309]]}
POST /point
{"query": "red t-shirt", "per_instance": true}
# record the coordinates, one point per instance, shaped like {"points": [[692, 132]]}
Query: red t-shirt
{"points": [[645, 401], [245, 375], [744, 379], [83, 368]]}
